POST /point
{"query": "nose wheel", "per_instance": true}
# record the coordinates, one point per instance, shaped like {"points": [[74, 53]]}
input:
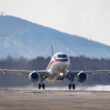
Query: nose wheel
{"points": [[41, 86], [71, 86]]}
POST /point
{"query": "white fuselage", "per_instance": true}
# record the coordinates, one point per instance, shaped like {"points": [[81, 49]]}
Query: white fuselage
{"points": [[57, 67]]}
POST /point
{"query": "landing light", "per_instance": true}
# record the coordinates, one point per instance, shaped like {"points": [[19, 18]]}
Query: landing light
{"points": [[61, 74]]}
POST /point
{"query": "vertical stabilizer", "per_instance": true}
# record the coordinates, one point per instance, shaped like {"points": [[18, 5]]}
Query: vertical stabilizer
{"points": [[52, 49]]}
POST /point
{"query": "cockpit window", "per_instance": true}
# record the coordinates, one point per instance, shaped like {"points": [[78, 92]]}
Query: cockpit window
{"points": [[62, 56]]}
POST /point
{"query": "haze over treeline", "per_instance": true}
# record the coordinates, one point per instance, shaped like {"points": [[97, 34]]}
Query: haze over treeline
{"points": [[77, 63]]}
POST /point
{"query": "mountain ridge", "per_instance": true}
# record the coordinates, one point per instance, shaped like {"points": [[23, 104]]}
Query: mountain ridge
{"points": [[19, 37]]}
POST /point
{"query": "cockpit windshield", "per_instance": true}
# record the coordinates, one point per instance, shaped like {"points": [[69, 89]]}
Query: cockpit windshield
{"points": [[62, 56]]}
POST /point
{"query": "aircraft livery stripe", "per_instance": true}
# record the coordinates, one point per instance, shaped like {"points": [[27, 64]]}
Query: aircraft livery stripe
{"points": [[56, 61]]}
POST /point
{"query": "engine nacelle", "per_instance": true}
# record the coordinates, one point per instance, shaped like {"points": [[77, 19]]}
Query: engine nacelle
{"points": [[82, 76], [33, 76]]}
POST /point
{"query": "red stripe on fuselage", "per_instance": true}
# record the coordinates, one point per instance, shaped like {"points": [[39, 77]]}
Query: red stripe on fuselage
{"points": [[55, 61]]}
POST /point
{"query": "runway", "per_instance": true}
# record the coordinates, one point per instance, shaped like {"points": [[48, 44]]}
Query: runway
{"points": [[34, 99]]}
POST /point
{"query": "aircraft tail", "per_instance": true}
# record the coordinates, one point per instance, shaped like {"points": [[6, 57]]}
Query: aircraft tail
{"points": [[52, 49]]}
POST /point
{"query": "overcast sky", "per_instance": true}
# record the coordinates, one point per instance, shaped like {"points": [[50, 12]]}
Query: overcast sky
{"points": [[87, 18]]}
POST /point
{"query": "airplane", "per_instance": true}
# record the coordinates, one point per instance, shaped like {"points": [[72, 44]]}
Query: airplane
{"points": [[57, 70]]}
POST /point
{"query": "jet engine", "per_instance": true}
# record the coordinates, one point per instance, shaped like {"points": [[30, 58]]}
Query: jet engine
{"points": [[82, 76], [33, 77]]}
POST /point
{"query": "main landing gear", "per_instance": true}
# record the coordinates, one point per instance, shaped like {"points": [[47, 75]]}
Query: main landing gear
{"points": [[41, 86], [71, 86]]}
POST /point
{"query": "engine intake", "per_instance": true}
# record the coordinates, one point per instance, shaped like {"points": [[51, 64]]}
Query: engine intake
{"points": [[33, 76], [82, 76]]}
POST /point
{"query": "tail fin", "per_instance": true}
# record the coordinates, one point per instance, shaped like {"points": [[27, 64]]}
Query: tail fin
{"points": [[51, 49]]}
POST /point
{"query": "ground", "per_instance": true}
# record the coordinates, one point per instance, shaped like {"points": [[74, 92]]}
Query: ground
{"points": [[34, 99]]}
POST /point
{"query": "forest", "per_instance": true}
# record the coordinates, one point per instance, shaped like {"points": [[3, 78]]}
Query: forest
{"points": [[76, 63]]}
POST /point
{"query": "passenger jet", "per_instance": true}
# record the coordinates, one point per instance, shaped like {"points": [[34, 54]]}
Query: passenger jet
{"points": [[56, 71]]}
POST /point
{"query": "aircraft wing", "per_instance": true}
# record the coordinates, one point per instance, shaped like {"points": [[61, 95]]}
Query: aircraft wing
{"points": [[97, 71], [89, 71], [22, 72]]}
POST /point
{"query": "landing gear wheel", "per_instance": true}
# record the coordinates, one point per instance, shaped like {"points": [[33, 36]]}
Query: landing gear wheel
{"points": [[42, 86], [71, 86]]}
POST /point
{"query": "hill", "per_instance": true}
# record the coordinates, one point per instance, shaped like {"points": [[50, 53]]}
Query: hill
{"points": [[19, 37]]}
